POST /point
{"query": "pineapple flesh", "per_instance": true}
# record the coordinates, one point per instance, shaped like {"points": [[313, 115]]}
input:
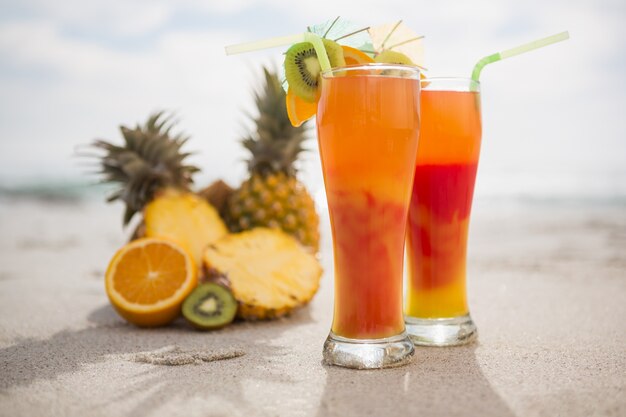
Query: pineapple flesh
{"points": [[272, 196], [186, 218], [269, 272]]}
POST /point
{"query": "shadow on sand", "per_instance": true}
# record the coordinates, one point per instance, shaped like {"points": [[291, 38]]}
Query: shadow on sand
{"points": [[31, 360], [440, 382]]}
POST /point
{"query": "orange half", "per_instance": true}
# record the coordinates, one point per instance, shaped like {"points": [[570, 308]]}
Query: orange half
{"points": [[298, 110], [148, 280]]}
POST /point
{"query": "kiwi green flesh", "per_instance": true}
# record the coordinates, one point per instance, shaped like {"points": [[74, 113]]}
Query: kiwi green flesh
{"points": [[210, 306], [302, 69]]}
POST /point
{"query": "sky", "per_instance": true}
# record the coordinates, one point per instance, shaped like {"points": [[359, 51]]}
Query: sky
{"points": [[73, 71]]}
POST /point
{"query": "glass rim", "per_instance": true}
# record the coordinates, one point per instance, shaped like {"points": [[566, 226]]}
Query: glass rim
{"points": [[373, 66], [467, 81]]}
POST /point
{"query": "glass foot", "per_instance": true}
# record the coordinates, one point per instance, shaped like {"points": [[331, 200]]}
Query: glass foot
{"points": [[441, 332], [368, 353]]}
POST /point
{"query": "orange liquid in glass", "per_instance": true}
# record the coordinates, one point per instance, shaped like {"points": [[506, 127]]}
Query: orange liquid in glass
{"points": [[441, 202], [368, 130]]}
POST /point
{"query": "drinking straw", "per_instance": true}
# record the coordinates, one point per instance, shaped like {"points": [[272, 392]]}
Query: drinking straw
{"points": [[539, 43], [314, 39]]}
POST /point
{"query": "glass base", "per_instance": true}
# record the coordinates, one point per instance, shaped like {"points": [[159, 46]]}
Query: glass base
{"points": [[441, 332], [368, 353]]}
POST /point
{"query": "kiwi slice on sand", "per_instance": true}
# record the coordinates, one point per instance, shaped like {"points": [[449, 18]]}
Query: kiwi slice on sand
{"points": [[210, 306], [393, 57], [302, 69]]}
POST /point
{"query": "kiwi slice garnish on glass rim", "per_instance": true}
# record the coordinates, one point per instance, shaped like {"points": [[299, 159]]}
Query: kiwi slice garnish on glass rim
{"points": [[303, 71], [210, 306]]}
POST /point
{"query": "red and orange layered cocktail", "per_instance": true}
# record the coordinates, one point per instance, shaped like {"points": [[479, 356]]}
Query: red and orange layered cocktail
{"points": [[445, 172], [368, 125]]}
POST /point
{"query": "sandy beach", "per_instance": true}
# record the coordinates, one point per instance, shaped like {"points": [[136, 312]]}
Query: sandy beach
{"points": [[547, 289]]}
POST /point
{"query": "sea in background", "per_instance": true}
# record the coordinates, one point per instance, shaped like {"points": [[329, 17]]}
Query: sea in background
{"points": [[583, 189]]}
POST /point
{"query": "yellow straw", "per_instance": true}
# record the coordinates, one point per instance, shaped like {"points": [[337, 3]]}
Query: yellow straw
{"points": [[312, 38], [527, 47]]}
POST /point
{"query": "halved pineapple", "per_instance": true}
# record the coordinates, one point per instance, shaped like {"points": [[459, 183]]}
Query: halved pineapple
{"points": [[152, 176], [186, 218], [269, 272]]}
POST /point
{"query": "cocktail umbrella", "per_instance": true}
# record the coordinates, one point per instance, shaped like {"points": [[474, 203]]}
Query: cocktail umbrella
{"points": [[343, 31], [399, 38]]}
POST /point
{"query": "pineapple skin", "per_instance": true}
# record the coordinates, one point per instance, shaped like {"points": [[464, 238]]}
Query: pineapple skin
{"points": [[186, 218], [275, 201], [269, 272]]}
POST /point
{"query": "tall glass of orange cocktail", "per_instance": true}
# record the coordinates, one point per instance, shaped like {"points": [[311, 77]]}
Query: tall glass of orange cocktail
{"points": [[445, 171], [368, 126]]}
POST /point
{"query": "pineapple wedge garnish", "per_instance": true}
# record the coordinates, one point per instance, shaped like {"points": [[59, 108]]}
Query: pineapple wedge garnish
{"points": [[269, 272]]}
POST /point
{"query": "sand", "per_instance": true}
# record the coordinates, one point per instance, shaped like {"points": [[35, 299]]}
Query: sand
{"points": [[547, 290], [177, 356]]}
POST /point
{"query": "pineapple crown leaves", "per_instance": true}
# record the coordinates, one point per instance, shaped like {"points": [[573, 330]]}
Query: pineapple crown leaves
{"points": [[149, 160], [275, 144]]}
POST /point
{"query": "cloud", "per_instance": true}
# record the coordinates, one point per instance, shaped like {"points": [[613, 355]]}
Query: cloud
{"points": [[71, 71], [95, 88], [135, 17]]}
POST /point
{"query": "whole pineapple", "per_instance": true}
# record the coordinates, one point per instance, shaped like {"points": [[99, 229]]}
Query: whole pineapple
{"points": [[153, 179], [272, 196]]}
